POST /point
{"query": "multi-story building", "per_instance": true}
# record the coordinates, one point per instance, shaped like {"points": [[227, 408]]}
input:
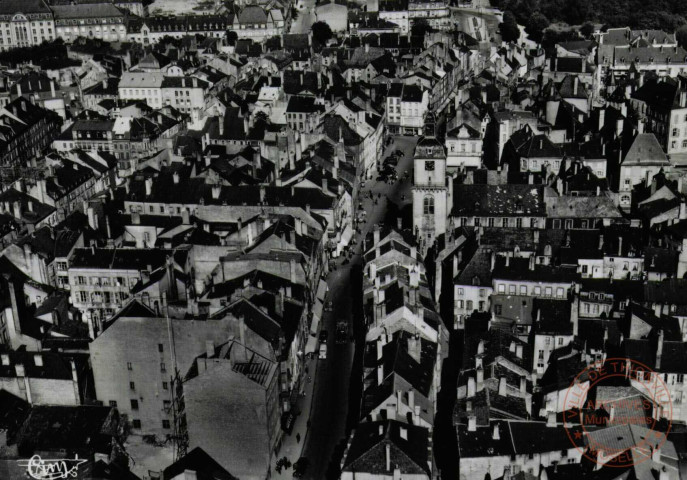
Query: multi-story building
{"points": [[25, 23], [40, 377], [137, 358], [26, 130], [406, 106], [257, 23], [662, 107], [463, 148], [101, 280], [149, 30], [431, 197], [233, 378], [96, 20], [184, 93]]}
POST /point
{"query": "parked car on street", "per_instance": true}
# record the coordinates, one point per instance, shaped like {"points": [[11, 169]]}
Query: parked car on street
{"points": [[300, 467]]}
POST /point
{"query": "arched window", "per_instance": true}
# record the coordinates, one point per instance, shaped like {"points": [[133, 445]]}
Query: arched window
{"points": [[428, 205]]}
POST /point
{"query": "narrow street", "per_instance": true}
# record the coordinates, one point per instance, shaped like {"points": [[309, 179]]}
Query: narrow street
{"points": [[306, 16], [331, 389]]}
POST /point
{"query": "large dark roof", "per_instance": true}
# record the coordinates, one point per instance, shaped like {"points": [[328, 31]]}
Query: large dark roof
{"points": [[198, 461], [408, 448]]}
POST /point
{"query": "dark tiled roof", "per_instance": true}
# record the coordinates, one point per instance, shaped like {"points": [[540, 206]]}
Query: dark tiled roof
{"points": [[367, 452], [498, 200]]}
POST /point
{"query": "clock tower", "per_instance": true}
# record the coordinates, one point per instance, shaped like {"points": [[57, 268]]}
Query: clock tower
{"points": [[430, 192]]}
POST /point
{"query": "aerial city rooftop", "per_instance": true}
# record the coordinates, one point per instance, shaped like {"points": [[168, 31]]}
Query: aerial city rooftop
{"points": [[379, 239]]}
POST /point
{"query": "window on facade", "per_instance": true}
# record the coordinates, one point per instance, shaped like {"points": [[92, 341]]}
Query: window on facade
{"points": [[165, 385], [469, 305], [165, 424], [113, 403], [429, 166], [511, 289], [559, 292], [135, 423], [523, 290], [502, 288], [128, 366], [497, 309], [556, 223], [548, 291], [428, 205], [163, 367], [132, 386], [134, 404]]}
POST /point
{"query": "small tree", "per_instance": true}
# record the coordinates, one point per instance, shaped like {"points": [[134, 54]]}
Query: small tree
{"points": [[681, 36], [587, 30], [509, 28], [321, 32], [232, 36], [420, 28], [536, 25]]}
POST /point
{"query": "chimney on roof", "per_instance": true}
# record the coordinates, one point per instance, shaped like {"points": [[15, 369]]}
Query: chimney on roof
{"points": [[220, 123], [480, 378], [135, 218], [472, 423], [149, 186], [292, 270], [216, 190], [52, 89], [388, 457], [518, 351], [551, 419], [92, 218], [620, 246], [659, 351], [495, 435], [502, 386], [531, 259], [472, 387], [175, 178], [15, 305]]}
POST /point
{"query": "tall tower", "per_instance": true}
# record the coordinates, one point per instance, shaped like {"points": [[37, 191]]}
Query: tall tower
{"points": [[430, 191]]}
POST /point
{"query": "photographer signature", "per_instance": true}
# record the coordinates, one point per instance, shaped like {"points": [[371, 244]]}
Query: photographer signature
{"points": [[41, 469]]}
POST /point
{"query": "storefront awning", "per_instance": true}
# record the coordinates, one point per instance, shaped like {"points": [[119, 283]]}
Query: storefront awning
{"points": [[315, 324], [321, 290], [311, 346], [317, 308]]}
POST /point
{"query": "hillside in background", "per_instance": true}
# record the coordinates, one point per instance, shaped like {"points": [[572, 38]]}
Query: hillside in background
{"points": [[664, 14]]}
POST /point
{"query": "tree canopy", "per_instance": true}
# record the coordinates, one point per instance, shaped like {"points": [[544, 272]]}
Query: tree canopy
{"points": [[322, 32], [509, 28], [662, 14]]}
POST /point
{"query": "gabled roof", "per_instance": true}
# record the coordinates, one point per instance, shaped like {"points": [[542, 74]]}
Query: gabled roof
{"points": [[645, 151], [198, 461], [408, 446]]}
